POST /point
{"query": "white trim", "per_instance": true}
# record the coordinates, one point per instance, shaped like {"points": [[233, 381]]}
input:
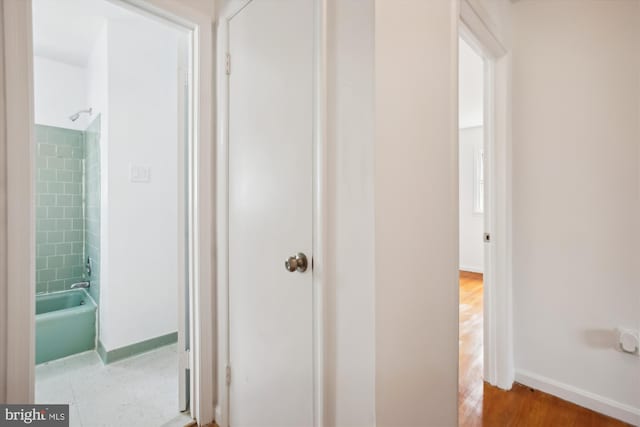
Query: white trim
{"points": [[501, 204], [580, 397], [476, 20], [202, 218], [20, 160], [203, 215], [226, 12], [222, 204], [490, 258], [218, 413], [320, 208], [21, 318], [184, 208], [477, 30]]}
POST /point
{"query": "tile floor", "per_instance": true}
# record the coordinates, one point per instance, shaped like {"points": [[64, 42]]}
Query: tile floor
{"points": [[138, 391]]}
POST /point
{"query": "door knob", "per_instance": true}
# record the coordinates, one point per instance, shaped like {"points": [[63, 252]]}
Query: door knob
{"points": [[296, 262]]}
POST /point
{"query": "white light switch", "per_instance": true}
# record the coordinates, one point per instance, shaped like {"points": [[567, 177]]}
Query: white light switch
{"points": [[139, 173]]}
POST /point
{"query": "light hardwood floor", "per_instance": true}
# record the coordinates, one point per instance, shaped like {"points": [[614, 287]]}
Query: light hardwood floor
{"points": [[480, 404]]}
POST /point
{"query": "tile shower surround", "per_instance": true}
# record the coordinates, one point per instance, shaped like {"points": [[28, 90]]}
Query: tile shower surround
{"points": [[92, 204], [59, 208], [67, 220]]}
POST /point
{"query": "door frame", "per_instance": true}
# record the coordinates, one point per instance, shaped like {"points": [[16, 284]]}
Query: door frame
{"points": [[18, 367], [476, 28], [228, 9]]}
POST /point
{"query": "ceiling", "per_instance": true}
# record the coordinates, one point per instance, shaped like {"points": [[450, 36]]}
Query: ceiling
{"points": [[66, 30], [471, 87]]}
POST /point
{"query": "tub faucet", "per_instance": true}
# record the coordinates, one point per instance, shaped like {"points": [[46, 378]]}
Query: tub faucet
{"points": [[84, 285]]}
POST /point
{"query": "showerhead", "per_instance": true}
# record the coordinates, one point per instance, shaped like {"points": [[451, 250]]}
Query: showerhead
{"points": [[76, 116]]}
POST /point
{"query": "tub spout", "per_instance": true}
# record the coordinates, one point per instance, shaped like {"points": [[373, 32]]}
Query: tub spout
{"points": [[84, 285]]}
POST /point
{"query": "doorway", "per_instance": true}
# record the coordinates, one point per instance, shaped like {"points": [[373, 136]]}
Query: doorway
{"points": [[471, 232], [18, 20], [486, 345], [113, 126]]}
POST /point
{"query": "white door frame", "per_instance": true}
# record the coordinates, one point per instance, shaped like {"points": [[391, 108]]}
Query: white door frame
{"points": [[19, 119], [226, 12], [477, 30], [18, 165]]}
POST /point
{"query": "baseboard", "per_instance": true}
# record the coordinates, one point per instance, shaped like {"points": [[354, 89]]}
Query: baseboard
{"points": [[135, 349], [102, 352], [580, 397], [471, 269], [218, 415]]}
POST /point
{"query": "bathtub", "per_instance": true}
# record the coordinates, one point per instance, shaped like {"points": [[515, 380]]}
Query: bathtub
{"points": [[65, 324]]}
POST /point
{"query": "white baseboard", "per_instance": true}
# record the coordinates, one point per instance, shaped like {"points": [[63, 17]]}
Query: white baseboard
{"points": [[471, 269], [580, 397], [218, 415]]}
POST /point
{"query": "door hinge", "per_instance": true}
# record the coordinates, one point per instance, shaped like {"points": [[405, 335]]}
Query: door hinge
{"points": [[228, 376], [186, 359], [228, 64], [486, 237]]}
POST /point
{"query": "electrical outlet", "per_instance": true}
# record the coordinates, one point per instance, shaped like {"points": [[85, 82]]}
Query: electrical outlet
{"points": [[628, 341]]}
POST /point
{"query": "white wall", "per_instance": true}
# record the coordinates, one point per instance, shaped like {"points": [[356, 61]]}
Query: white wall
{"points": [[60, 90], [96, 78], [139, 290], [470, 120], [416, 212], [350, 297], [206, 7], [576, 191], [471, 87], [471, 222]]}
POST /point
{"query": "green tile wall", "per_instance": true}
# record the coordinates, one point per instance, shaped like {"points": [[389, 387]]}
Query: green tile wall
{"points": [[92, 204], [59, 208]]}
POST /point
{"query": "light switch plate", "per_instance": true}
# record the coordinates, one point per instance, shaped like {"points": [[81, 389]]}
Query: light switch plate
{"points": [[139, 173]]}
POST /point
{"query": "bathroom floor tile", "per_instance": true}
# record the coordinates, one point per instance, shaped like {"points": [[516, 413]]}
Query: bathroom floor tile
{"points": [[141, 390]]}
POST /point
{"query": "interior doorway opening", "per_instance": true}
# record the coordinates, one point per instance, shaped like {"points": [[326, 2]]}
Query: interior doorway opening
{"points": [[113, 208], [471, 167]]}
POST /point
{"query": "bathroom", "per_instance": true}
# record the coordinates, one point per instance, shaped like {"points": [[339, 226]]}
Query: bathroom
{"points": [[111, 119]]}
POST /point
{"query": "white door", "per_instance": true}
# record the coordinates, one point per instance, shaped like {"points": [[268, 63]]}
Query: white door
{"points": [[271, 49]]}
